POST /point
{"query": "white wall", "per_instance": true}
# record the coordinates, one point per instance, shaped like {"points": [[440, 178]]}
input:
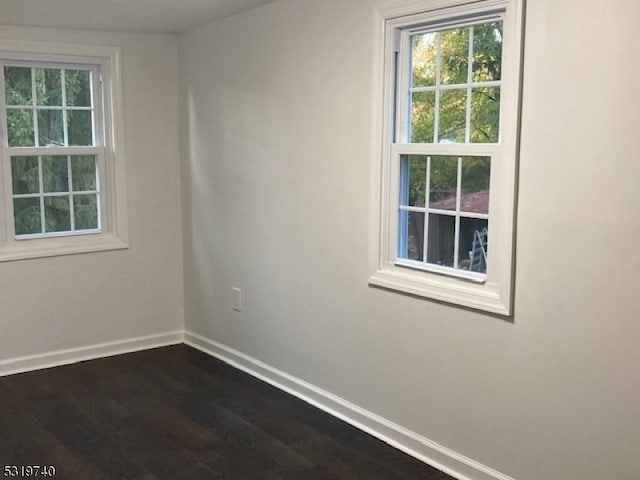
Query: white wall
{"points": [[276, 167], [77, 301]]}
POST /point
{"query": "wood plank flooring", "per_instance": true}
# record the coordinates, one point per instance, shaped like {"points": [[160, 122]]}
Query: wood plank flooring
{"points": [[176, 413]]}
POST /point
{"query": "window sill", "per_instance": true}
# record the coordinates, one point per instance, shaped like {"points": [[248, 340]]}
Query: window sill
{"points": [[53, 247], [478, 296], [438, 269]]}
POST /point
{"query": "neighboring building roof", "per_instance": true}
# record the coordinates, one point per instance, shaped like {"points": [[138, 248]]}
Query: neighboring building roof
{"points": [[475, 202]]}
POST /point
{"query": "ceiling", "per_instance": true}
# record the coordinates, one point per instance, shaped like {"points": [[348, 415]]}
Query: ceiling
{"points": [[152, 16]]}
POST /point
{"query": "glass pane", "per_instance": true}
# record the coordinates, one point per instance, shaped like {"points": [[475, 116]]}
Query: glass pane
{"points": [[50, 128], [85, 212], [26, 214], [48, 87], [57, 214], [20, 128], [17, 85], [414, 180], [424, 59], [472, 246], [485, 115], [441, 242], [78, 86], [487, 52], [24, 175], [423, 109], [454, 59], [443, 186], [453, 116], [55, 174], [411, 235], [476, 173], [80, 127], [83, 172]]}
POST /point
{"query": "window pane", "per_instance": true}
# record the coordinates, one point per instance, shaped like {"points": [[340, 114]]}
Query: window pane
{"points": [[17, 85], [55, 174], [83, 172], [80, 127], [24, 175], [454, 60], [411, 235], [485, 115], [441, 242], [475, 184], [57, 214], [443, 186], [423, 108], [48, 87], [424, 59], [20, 128], [78, 88], [414, 184], [50, 128], [453, 116], [85, 211], [473, 245], [26, 214], [487, 52]]}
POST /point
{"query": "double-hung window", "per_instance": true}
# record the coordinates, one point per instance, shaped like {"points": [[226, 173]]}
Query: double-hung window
{"points": [[447, 165], [61, 189]]}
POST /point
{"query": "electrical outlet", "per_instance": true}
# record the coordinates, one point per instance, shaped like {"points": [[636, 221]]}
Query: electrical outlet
{"points": [[237, 299]]}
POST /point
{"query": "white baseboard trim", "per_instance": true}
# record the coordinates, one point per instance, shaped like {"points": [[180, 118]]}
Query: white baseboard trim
{"points": [[442, 458], [90, 352]]}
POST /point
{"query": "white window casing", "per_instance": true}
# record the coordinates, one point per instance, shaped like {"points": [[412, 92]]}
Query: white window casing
{"points": [[490, 291], [108, 148]]}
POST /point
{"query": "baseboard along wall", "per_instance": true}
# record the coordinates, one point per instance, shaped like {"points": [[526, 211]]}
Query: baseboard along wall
{"points": [[428, 451], [80, 354]]}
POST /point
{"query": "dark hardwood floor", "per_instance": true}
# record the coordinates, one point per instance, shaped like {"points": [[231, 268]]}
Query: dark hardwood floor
{"points": [[176, 413]]}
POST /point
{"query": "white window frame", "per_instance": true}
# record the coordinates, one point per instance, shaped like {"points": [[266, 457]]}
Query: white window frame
{"points": [[490, 292], [112, 233]]}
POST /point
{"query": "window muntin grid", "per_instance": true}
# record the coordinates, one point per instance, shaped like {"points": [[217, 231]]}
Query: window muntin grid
{"points": [[56, 103], [452, 93], [55, 194], [444, 211], [450, 81], [53, 125]]}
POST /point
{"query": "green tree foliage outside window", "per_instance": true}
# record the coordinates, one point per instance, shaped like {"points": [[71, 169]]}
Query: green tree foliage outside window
{"points": [[442, 80], [54, 98], [68, 189], [51, 107], [454, 97], [448, 53]]}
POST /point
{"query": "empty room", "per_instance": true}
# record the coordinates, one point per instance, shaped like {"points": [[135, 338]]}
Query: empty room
{"points": [[319, 239]]}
